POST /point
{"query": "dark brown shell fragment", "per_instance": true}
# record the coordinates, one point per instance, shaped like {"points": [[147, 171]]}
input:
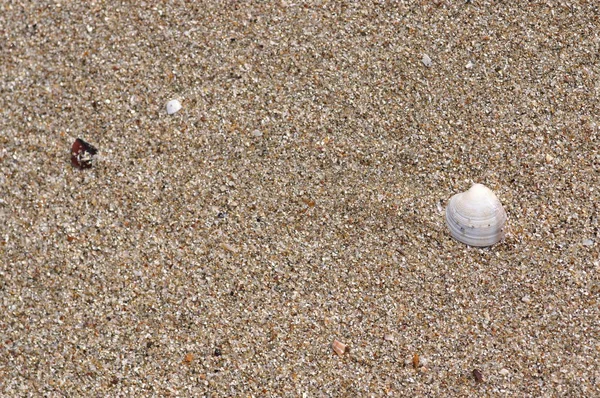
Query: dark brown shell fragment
{"points": [[82, 154]]}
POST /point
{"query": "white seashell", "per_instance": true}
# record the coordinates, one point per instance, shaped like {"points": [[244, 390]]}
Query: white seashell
{"points": [[476, 217], [173, 106]]}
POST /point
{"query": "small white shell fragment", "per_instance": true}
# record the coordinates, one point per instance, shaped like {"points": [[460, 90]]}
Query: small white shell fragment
{"points": [[229, 247], [588, 242], [504, 372], [470, 65], [426, 60], [476, 217], [339, 347], [173, 106]]}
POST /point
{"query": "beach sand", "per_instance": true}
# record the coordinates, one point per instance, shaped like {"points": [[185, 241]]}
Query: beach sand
{"points": [[298, 198]]}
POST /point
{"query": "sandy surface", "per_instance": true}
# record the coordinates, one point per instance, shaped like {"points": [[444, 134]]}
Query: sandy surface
{"points": [[297, 198]]}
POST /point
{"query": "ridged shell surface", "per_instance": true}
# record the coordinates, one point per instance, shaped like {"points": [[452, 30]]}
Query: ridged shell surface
{"points": [[476, 217]]}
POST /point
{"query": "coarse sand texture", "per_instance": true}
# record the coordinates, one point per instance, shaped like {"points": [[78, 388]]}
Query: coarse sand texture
{"points": [[264, 211]]}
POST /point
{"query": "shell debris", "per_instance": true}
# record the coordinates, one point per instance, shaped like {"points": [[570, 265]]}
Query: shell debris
{"points": [[189, 357], [229, 247], [426, 60], [416, 361], [339, 347], [173, 106], [82, 154]]}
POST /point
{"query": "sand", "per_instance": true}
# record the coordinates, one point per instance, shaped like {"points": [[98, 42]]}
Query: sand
{"points": [[298, 198]]}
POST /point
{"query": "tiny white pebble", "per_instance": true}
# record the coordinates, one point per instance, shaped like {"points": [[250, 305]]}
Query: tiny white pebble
{"points": [[426, 60], [257, 133], [588, 242], [470, 65], [504, 372], [526, 299], [173, 106]]}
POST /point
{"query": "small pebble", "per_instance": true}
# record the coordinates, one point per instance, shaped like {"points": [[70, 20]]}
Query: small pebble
{"points": [[469, 65], [588, 242], [477, 375], [526, 299], [173, 106], [504, 372], [426, 60], [416, 361]]}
